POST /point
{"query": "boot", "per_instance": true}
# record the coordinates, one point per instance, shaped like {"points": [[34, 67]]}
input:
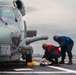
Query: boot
{"points": [[69, 63], [61, 62], [54, 62]]}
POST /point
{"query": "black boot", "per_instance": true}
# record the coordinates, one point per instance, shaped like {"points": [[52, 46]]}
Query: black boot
{"points": [[69, 63], [53, 61], [61, 62]]}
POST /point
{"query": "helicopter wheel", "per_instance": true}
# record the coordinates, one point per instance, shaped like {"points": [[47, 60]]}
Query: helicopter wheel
{"points": [[29, 61]]}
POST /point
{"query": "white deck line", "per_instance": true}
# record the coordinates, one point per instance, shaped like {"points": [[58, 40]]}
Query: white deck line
{"points": [[37, 72], [41, 58], [23, 69], [63, 69]]}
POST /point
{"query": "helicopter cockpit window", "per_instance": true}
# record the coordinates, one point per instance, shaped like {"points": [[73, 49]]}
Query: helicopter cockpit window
{"points": [[7, 15]]}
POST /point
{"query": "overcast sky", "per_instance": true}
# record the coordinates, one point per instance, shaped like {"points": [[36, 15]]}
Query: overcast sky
{"points": [[51, 17]]}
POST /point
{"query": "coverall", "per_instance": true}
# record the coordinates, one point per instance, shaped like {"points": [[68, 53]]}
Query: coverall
{"points": [[52, 53], [66, 44]]}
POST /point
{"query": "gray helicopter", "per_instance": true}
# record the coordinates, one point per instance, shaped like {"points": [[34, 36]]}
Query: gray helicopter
{"points": [[14, 36]]}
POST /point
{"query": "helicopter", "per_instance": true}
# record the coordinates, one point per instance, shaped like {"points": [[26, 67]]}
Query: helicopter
{"points": [[14, 36]]}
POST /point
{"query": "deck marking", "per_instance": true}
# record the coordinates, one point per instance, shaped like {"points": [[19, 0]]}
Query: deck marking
{"points": [[38, 72], [38, 58], [23, 69], [63, 69]]}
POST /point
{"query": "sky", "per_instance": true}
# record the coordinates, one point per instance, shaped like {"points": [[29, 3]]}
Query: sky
{"points": [[51, 17]]}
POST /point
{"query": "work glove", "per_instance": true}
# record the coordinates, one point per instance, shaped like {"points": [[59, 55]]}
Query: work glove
{"points": [[42, 63], [42, 60]]}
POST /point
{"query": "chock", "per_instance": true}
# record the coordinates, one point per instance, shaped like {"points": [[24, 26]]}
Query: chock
{"points": [[31, 63]]}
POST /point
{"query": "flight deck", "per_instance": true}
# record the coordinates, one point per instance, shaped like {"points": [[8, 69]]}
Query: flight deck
{"points": [[21, 69]]}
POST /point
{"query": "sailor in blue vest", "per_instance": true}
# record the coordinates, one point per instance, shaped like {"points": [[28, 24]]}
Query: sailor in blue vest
{"points": [[66, 45]]}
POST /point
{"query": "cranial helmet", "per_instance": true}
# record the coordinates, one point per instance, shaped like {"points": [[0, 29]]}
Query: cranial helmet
{"points": [[56, 38], [44, 45]]}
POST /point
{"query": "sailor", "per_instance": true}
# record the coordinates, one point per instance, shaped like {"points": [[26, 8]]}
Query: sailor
{"points": [[66, 45], [52, 53]]}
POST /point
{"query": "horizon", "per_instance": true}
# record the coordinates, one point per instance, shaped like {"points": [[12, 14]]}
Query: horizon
{"points": [[51, 17]]}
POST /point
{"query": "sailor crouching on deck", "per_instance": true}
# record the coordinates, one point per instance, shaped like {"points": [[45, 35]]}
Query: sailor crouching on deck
{"points": [[52, 53]]}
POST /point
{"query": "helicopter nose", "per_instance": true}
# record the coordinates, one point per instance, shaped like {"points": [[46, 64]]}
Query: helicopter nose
{"points": [[5, 35]]}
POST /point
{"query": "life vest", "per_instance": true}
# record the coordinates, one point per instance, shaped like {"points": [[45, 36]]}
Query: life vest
{"points": [[57, 50], [49, 47], [66, 41]]}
